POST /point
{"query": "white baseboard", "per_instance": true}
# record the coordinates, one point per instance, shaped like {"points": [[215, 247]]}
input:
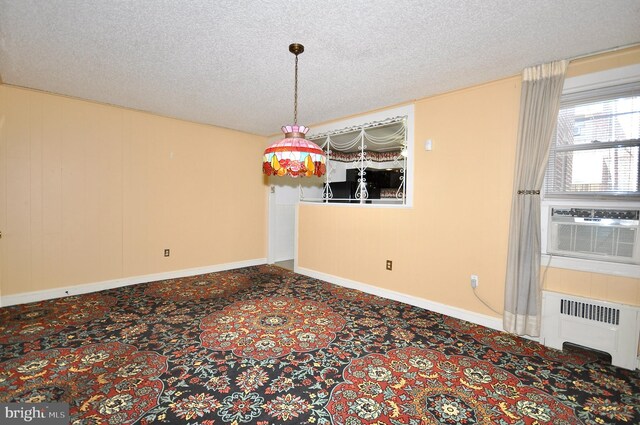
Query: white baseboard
{"points": [[48, 294], [458, 313]]}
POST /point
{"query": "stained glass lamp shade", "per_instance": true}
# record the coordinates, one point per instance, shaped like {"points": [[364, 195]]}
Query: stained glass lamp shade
{"points": [[294, 155]]}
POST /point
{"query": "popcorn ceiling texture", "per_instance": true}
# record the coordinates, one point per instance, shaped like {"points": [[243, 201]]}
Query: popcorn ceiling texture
{"points": [[227, 63]]}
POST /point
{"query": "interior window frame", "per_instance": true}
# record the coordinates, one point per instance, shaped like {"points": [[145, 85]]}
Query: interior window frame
{"points": [[405, 113]]}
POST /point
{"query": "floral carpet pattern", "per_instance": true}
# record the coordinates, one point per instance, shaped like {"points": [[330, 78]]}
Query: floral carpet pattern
{"points": [[23, 323], [111, 380], [271, 328], [427, 386], [261, 345]]}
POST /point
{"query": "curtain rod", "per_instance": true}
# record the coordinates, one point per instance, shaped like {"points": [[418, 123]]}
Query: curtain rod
{"points": [[600, 52]]}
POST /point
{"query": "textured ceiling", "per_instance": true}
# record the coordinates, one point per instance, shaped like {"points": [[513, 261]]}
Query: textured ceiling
{"points": [[227, 62]]}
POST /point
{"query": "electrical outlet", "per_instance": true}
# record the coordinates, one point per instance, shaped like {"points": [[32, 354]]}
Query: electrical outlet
{"points": [[389, 265], [167, 252], [474, 281]]}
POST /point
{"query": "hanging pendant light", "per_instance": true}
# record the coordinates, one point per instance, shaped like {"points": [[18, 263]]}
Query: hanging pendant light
{"points": [[294, 155]]}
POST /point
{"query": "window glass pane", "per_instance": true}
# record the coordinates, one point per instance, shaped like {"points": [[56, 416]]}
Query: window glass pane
{"points": [[610, 170], [596, 148], [606, 121]]}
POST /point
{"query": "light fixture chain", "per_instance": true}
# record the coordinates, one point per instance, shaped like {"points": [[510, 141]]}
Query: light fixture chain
{"points": [[294, 155], [295, 96]]}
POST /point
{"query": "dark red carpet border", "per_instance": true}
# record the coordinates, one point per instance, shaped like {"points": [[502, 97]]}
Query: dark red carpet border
{"points": [[261, 345]]}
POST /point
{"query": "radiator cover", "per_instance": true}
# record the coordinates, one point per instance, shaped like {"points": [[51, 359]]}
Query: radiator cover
{"points": [[610, 327]]}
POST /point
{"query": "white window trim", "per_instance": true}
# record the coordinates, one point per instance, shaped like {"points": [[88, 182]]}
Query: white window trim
{"points": [[592, 81], [408, 111], [596, 80]]}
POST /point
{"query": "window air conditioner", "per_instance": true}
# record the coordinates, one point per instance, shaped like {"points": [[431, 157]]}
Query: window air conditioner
{"points": [[595, 234]]}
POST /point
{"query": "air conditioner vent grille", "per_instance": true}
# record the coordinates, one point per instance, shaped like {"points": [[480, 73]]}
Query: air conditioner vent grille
{"points": [[595, 234], [595, 312]]}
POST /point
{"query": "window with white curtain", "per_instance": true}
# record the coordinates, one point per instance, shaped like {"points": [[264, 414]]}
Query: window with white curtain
{"points": [[369, 160]]}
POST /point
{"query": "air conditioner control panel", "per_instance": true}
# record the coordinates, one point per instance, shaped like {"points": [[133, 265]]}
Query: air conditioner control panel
{"points": [[599, 213]]}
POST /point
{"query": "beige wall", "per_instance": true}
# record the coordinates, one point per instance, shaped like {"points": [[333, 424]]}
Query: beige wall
{"points": [[625, 290], [459, 223], [90, 192]]}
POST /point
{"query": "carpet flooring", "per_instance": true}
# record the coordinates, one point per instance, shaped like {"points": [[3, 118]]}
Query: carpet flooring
{"points": [[263, 345]]}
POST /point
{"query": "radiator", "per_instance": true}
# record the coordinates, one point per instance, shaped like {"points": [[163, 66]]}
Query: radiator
{"points": [[610, 327]]}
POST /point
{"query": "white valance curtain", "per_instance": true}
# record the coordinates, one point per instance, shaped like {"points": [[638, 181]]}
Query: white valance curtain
{"points": [[380, 145], [539, 105], [382, 136]]}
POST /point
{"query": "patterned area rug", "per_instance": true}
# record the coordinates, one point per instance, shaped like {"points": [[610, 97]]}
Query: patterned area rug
{"points": [[262, 345]]}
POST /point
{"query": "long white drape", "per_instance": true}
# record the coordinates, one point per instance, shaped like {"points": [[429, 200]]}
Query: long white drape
{"points": [[539, 105]]}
